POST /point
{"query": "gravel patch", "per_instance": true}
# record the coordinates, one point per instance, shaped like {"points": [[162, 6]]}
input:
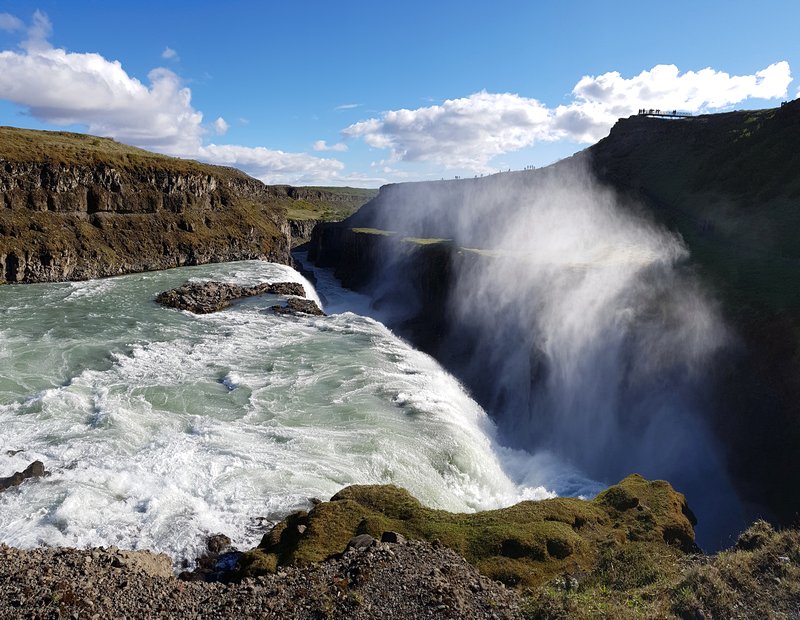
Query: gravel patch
{"points": [[403, 581]]}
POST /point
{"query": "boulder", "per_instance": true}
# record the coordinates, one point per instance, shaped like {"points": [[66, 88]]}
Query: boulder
{"points": [[295, 305], [34, 470]]}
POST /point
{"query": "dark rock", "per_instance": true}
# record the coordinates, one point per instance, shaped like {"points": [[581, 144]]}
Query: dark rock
{"points": [[34, 470], [393, 537], [299, 306], [287, 288], [217, 543], [362, 541], [218, 564], [207, 297], [301, 230]]}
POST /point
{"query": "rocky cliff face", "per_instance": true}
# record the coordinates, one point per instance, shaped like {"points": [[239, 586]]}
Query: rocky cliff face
{"points": [[730, 185], [87, 215], [301, 230]]}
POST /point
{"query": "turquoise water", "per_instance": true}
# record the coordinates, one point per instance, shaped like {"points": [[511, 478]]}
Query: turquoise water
{"points": [[160, 427]]}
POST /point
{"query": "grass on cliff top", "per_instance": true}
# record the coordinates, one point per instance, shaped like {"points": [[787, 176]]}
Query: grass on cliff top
{"points": [[304, 210], [373, 231], [431, 241], [75, 149], [524, 545]]}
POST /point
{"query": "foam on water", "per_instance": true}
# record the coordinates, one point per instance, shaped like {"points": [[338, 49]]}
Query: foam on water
{"points": [[160, 426]]}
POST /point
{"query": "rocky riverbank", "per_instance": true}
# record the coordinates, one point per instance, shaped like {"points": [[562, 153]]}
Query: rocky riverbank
{"points": [[627, 554]]}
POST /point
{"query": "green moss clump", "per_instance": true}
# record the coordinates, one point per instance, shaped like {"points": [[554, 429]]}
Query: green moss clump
{"points": [[524, 545]]}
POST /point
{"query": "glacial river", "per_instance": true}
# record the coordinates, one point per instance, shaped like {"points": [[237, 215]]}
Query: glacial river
{"points": [[159, 427]]}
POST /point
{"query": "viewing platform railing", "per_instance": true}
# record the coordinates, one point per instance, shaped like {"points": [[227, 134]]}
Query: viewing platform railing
{"points": [[664, 113]]}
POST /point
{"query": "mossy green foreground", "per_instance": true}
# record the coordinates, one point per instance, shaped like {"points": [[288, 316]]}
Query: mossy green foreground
{"points": [[527, 544], [627, 553]]}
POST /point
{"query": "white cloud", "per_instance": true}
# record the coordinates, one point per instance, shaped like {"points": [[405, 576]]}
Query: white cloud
{"points": [[469, 132], [220, 126], [600, 101], [321, 145], [169, 54], [38, 33], [68, 88], [272, 166], [347, 106], [10, 23], [459, 133]]}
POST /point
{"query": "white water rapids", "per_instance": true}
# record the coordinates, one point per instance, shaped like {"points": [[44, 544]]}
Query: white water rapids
{"points": [[159, 427]]}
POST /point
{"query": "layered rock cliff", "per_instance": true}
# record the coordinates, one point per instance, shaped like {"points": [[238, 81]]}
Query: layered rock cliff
{"points": [[74, 207], [730, 185]]}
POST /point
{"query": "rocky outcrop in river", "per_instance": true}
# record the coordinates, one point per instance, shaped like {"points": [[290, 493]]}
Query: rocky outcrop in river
{"points": [[207, 297]]}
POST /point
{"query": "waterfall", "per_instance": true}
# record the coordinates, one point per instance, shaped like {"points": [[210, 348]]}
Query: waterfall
{"points": [[579, 325]]}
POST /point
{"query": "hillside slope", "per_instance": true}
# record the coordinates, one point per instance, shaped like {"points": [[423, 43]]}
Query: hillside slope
{"points": [[75, 206]]}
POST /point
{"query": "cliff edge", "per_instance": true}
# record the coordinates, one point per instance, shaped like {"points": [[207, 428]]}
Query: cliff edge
{"points": [[74, 207]]}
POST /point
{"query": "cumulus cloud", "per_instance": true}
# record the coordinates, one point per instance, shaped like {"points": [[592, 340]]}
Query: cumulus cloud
{"points": [[38, 33], [69, 88], [322, 145], [10, 23], [66, 88], [600, 101], [220, 126], [272, 166], [470, 131], [459, 133], [169, 54]]}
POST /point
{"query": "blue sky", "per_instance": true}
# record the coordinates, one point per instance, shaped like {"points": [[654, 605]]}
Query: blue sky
{"points": [[364, 93]]}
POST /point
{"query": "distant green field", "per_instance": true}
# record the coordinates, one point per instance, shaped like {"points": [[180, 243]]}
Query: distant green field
{"points": [[329, 204]]}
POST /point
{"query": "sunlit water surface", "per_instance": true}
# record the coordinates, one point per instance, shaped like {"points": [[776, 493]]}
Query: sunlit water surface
{"points": [[159, 427]]}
